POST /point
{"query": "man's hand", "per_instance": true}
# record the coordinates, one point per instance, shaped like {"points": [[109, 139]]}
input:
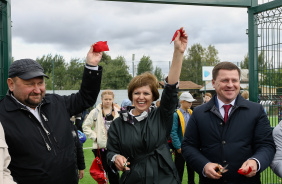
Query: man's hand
{"points": [[179, 151], [81, 174], [249, 163], [93, 58], [210, 170]]}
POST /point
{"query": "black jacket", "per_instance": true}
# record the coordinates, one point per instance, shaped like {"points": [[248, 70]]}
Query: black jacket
{"points": [[78, 150], [145, 143], [246, 134], [45, 154]]}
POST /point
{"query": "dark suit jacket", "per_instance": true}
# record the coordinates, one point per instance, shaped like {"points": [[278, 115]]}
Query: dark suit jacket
{"points": [[246, 134]]}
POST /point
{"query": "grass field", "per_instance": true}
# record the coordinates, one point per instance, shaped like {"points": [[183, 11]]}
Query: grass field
{"points": [[89, 157], [267, 177]]}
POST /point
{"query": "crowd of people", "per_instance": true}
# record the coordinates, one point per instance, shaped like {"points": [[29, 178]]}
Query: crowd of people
{"points": [[227, 139]]}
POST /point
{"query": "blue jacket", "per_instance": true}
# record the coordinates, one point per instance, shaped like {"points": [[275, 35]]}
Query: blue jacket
{"points": [[176, 131], [246, 134]]}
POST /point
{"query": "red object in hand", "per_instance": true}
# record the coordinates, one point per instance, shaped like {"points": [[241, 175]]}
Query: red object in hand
{"points": [[101, 46], [175, 34], [240, 171]]}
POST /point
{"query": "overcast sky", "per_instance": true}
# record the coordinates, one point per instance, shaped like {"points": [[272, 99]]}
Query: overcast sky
{"points": [[69, 27]]}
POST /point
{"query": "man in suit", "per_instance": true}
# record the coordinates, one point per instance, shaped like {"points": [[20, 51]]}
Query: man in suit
{"points": [[239, 138]]}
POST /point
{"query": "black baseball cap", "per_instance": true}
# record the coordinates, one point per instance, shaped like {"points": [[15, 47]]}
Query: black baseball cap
{"points": [[26, 69]]}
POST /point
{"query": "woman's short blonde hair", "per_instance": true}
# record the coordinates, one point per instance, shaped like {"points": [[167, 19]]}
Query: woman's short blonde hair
{"points": [[145, 79]]}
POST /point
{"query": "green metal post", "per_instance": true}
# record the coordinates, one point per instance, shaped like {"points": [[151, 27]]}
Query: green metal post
{"points": [[253, 55], [5, 45]]}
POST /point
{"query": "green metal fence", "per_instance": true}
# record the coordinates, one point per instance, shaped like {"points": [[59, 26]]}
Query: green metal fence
{"points": [[267, 66], [269, 58]]}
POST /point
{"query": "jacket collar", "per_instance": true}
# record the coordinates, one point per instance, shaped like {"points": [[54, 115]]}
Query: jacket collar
{"points": [[11, 104], [239, 102]]}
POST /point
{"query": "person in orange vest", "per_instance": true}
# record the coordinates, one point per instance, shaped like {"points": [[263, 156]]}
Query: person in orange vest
{"points": [[180, 121]]}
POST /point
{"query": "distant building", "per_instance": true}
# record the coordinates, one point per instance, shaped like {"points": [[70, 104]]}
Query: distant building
{"points": [[190, 86]]}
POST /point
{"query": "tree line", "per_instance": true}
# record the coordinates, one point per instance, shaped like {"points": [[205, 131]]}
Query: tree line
{"points": [[68, 75], [270, 73]]}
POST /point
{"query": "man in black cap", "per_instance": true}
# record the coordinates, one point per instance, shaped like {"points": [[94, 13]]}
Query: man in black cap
{"points": [[37, 126]]}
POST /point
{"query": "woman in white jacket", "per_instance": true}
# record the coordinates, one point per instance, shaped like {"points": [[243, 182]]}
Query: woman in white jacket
{"points": [[276, 164], [5, 177], [96, 127]]}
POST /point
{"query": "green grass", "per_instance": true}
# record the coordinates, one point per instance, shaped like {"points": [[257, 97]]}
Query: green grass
{"points": [[88, 157], [267, 177], [273, 119]]}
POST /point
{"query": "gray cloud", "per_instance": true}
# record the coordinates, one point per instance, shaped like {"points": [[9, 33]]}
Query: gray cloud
{"points": [[70, 26]]}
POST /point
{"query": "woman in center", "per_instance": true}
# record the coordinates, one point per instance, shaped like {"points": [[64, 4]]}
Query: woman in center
{"points": [[137, 140]]}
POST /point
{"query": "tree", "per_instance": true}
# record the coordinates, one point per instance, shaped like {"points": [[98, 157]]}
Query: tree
{"points": [[60, 69], [262, 63], [272, 77], [115, 74], [145, 65], [192, 64], [211, 56], [74, 74], [245, 63], [49, 82], [158, 73], [197, 57], [106, 58]]}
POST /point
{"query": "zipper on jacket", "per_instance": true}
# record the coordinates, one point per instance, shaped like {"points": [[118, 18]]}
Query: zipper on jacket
{"points": [[46, 119], [47, 145], [46, 131]]}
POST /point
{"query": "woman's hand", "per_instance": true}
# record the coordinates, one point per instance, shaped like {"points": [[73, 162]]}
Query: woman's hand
{"points": [[180, 44], [121, 163], [181, 40], [93, 58]]}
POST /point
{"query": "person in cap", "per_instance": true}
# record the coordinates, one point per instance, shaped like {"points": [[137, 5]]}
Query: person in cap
{"points": [[37, 125], [126, 102], [180, 120], [229, 139]]}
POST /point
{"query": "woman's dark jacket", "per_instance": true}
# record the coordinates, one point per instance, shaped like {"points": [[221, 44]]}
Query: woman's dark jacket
{"points": [[46, 155], [246, 134], [144, 143]]}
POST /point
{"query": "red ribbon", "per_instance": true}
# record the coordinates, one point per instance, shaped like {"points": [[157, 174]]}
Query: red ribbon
{"points": [[101, 46], [175, 34], [240, 171]]}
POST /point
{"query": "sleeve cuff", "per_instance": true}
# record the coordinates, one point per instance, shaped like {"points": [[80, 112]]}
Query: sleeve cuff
{"points": [[258, 163], [203, 171], [176, 85], [114, 158], [90, 67]]}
